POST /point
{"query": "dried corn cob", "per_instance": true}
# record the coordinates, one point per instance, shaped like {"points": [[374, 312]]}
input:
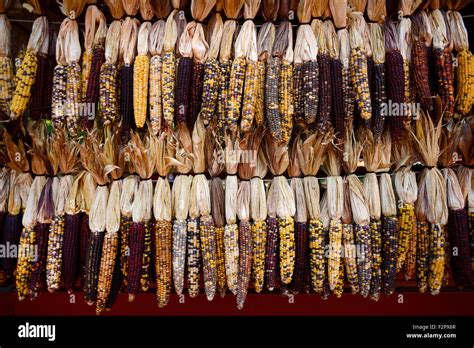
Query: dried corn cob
{"points": [[70, 249], [422, 260], [437, 258], [220, 256], [272, 83], [141, 69], [347, 90], [73, 84], [376, 245], [259, 234], [265, 41], [7, 74], [406, 221], [107, 267], [287, 248], [179, 254], [210, 89], [155, 96], [224, 88], [245, 262], [236, 88], [136, 243], [301, 246], [350, 258], [146, 258], [168, 86], [299, 94], [58, 96], [286, 97], [55, 253], [196, 93], [249, 96], [231, 248], [271, 249], [39, 90], [26, 73], [93, 256], [208, 245], [25, 264], [335, 208], [183, 88], [12, 232], [193, 257], [163, 262], [125, 225], [85, 233]]}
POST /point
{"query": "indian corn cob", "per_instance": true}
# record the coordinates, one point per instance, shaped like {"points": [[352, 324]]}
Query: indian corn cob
{"points": [[141, 71]]}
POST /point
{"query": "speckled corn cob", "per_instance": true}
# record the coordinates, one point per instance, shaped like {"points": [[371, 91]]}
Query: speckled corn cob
{"points": [[163, 261], [339, 288], [94, 251], [224, 85], [108, 101], [286, 97], [231, 248], [24, 266], [317, 254], [422, 260], [55, 253], [193, 257], [245, 262], [325, 93], [73, 98], [259, 236], [107, 267], [249, 97], [167, 85], [360, 83], [437, 258], [271, 253], [376, 245], [208, 250], [125, 223], [335, 240], [210, 90], [286, 229], [364, 258], [260, 108], [350, 257], [390, 237], [410, 263], [155, 90], [310, 90], [300, 282], [236, 88], [58, 102], [272, 99], [145, 272], [220, 260], [179, 254], [7, 84]]}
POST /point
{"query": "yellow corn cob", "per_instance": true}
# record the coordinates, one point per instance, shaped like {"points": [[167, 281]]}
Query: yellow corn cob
{"points": [[465, 82], [141, 69], [410, 262], [259, 236], [286, 95], [6, 84], [167, 85], [210, 90], [335, 240], [156, 106], [24, 79], [250, 97], [316, 247], [407, 219], [339, 288], [437, 258], [106, 270], [86, 68], [286, 230], [360, 82], [163, 259]]}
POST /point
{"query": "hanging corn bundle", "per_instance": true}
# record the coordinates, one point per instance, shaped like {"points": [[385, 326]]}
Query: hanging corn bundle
{"points": [[231, 231], [93, 161], [378, 94], [45, 209], [265, 40], [163, 232], [421, 41], [182, 162], [372, 155], [201, 208], [215, 167], [432, 200], [108, 88], [278, 160], [443, 62], [128, 43], [311, 154], [141, 155], [155, 45], [94, 58], [7, 74], [251, 86], [465, 62], [113, 158], [141, 71], [229, 32], [210, 81], [358, 65], [301, 224], [26, 73], [406, 189], [19, 190], [66, 154], [395, 79]]}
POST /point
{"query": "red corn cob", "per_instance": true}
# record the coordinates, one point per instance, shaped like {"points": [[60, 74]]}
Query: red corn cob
{"points": [[196, 93], [91, 274], [420, 69], [70, 249], [116, 280], [337, 98], [98, 58], [38, 276], [325, 93], [136, 248], [395, 90], [445, 75], [126, 101], [378, 99], [182, 91], [84, 241], [39, 90], [459, 238], [301, 260], [245, 262], [299, 94]]}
